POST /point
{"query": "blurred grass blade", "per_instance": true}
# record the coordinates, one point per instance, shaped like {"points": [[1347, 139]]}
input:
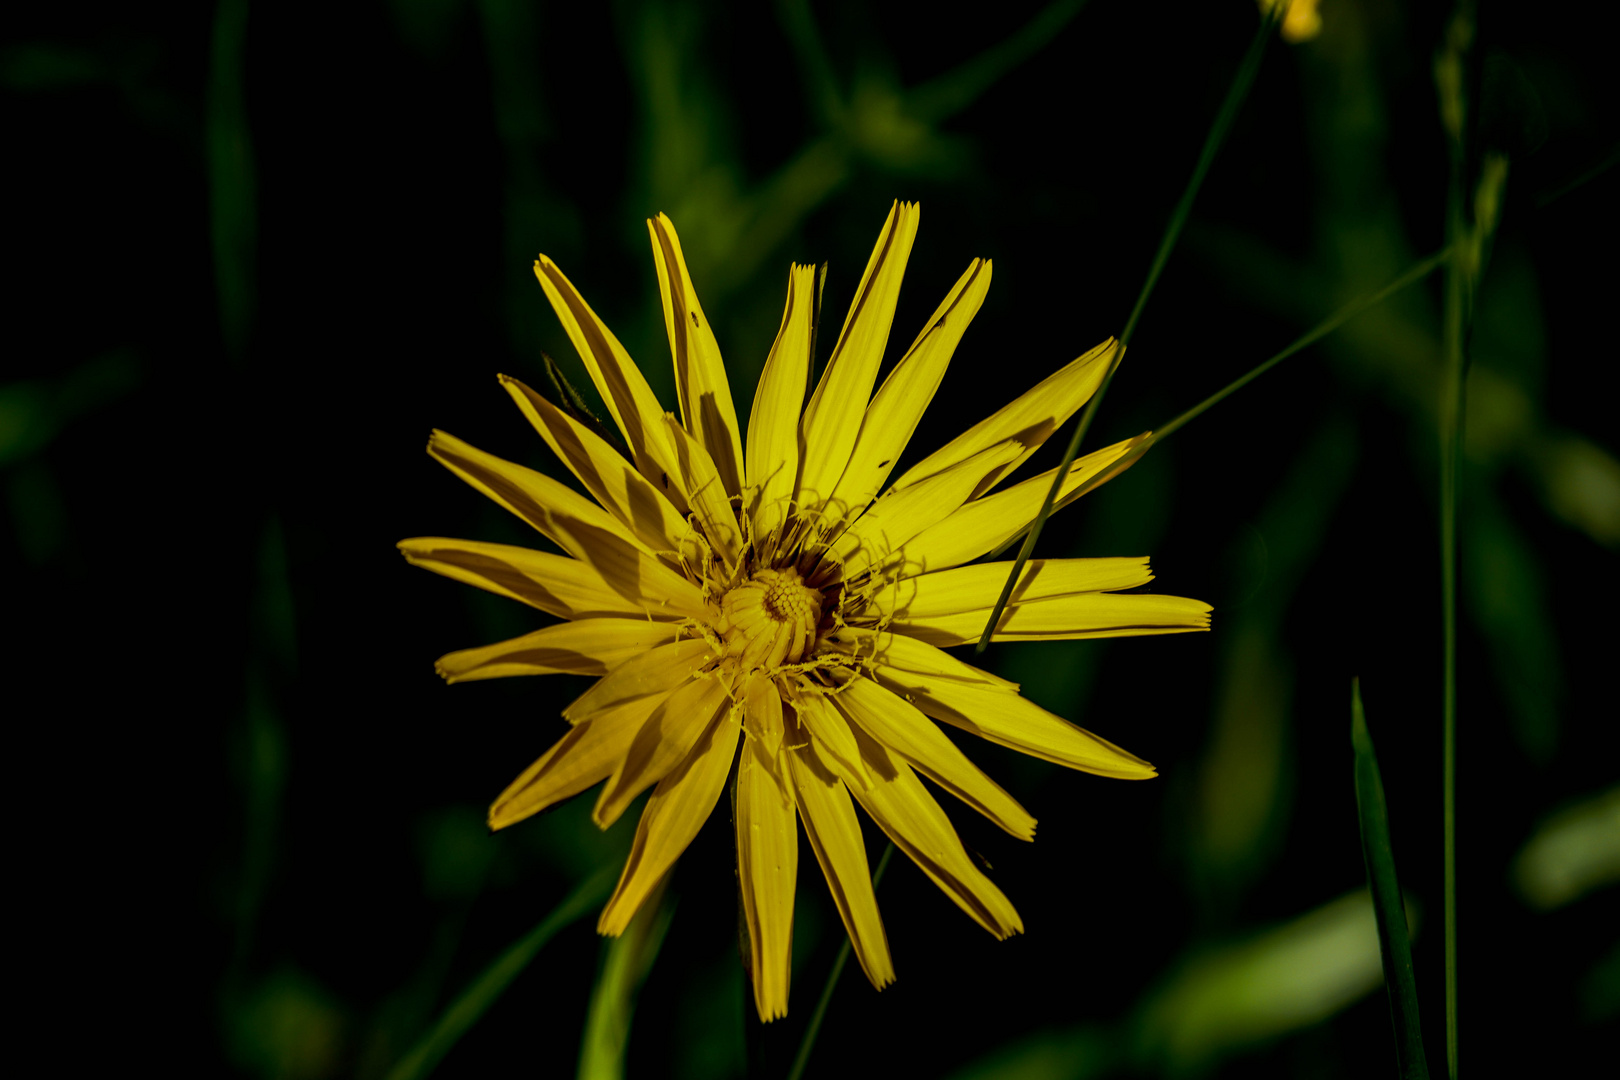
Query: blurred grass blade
{"points": [[627, 960], [1172, 232], [812, 1029], [232, 184], [466, 1010], [1394, 944], [941, 98]]}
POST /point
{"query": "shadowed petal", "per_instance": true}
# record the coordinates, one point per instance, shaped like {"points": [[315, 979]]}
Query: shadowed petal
{"points": [[656, 671], [1064, 618], [974, 588], [612, 481], [624, 389], [574, 523], [581, 758], [700, 375], [582, 647], [991, 520], [1030, 418], [767, 866], [897, 724], [679, 805], [832, 420], [1003, 717], [555, 584], [773, 428], [904, 810], [835, 836], [670, 732], [893, 414]]}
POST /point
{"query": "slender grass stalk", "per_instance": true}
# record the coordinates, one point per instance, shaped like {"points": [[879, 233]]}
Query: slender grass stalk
{"points": [[485, 990], [1172, 232], [1321, 330], [802, 1058], [1449, 80], [1414, 274], [1394, 941]]}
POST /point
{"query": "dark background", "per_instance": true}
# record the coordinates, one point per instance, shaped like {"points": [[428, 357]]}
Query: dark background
{"points": [[258, 253]]}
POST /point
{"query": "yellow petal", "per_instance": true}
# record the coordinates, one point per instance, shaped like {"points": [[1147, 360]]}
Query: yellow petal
{"points": [[574, 523], [581, 758], [826, 726], [991, 520], [1006, 718], [773, 426], [583, 647], [974, 588], [901, 400], [555, 584], [1064, 618], [767, 866], [706, 493], [663, 742], [835, 836], [897, 724], [1030, 418], [624, 389], [901, 515], [676, 811], [700, 375], [647, 515], [762, 714], [910, 657], [903, 809], [655, 671], [832, 420]]}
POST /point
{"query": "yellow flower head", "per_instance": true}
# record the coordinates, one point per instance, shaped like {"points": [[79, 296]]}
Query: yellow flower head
{"points": [[1300, 19], [770, 610]]}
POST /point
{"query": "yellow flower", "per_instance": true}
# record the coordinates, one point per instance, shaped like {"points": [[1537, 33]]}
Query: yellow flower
{"points": [[766, 608], [1300, 21]]}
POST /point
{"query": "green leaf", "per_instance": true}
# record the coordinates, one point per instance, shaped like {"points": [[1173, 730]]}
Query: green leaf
{"points": [[485, 990], [1394, 944]]}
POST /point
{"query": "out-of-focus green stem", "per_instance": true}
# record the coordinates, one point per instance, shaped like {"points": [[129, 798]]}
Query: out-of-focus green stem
{"points": [[802, 1058], [473, 1002], [1449, 77], [1178, 218], [232, 181], [1394, 941]]}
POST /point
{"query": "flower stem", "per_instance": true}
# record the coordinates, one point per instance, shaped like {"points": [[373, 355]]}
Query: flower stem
{"points": [[802, 1058], [1172, 232]]}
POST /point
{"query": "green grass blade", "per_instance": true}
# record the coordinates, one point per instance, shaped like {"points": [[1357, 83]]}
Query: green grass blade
{"points": [[1394, 944], [627, 960], [1172, 232], [466, 1010], [808, 1043]]}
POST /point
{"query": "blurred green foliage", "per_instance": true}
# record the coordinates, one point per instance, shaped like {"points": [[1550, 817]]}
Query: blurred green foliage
{"points": [[264, 251]]}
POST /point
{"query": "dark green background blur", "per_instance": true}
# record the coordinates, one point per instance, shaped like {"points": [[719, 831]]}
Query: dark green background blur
{"points": [[258, 252]]}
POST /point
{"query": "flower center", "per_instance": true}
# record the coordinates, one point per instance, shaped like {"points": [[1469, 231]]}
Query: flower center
{"points": [[771, 620]]}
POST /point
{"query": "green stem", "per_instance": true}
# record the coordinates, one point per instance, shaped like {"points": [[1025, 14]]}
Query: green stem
{"points": [[1178, 218], [466, 1010], [1394, 941], [802, 1058], [1309, 338]]}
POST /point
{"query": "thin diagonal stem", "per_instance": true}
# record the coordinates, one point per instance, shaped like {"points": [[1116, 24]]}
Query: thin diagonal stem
{"points": [[1321, 330], [1304, 341], [802, 1058], [1172, 232]]}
